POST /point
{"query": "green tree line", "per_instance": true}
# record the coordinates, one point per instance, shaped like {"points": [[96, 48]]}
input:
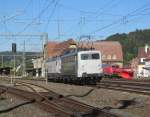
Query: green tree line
{"points": [[131, 42]]}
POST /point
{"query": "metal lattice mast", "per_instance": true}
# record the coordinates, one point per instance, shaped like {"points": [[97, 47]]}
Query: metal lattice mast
{"points": [[23, 61]]}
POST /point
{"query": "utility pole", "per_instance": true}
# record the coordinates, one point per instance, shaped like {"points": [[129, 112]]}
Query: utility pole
{"points": [[81, 24], [14, 55], [58, 26], [14, 67], [58, 23], [2, 61], [45, 56], [23, 61]]}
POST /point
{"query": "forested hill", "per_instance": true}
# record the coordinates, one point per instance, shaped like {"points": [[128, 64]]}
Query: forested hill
{"points": [[131, 41]]}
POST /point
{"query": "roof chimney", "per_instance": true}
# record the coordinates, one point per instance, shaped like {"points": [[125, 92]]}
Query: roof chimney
{"points": [[146, 48]]}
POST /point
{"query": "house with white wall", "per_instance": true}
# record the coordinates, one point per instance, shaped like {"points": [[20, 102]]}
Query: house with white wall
{"points": [[38, 66], [143, 67]]}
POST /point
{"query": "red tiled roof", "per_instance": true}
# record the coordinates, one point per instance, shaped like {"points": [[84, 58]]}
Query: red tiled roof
{"points": [[107, 48], [110, 48], [142, 53], [51, 48], [58, 48], [147, 59]]}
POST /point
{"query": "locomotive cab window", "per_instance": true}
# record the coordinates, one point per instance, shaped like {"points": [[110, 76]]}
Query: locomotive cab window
{"points": [[90, 56], [95, 56], [84, 56]]}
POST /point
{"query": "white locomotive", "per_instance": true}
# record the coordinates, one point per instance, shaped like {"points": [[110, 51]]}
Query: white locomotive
{"points": [[81, 66]]}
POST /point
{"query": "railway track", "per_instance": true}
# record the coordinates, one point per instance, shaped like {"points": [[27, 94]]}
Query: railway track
{"points": [[67, 107], [54, 103], [127, 86], [133, 86]]}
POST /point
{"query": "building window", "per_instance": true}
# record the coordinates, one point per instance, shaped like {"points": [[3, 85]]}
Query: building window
{"points": [[114, 57], [109, 56]]}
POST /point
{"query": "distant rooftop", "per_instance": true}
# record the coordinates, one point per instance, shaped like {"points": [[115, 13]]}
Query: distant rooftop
{"points": [[144, 52], [111, 50]]}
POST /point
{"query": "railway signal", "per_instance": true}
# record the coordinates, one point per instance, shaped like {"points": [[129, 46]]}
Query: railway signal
{"points": [[14, 49]]}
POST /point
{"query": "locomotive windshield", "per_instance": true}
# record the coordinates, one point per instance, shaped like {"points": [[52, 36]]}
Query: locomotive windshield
{"points": [[90, 56]]}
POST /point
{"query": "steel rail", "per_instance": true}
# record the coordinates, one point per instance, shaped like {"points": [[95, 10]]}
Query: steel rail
{"points": [[56, 103], [69, 104], [127, 86], [47, 106]]}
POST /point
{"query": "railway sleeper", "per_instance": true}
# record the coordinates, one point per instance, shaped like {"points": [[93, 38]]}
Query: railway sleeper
{"points": [[77, 81], [95, 112]]}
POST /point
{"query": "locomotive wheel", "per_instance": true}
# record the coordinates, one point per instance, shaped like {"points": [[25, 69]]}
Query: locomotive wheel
{"points": [[52, 80], [84, 81], [99, 79], [65, 80], [78, 81], [58, 80], [61, 80], [81, 81], [68, 81], [92, 81], [71, 81], [55, 80]]}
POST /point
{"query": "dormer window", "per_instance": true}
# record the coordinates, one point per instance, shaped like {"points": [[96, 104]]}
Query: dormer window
{"points": [[103, 56], [109, 56], [146, 48], [114, 57]]}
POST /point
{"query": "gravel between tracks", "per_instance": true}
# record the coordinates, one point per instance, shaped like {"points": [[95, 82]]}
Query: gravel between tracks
{"points": [[104, 98], [8, 100]]}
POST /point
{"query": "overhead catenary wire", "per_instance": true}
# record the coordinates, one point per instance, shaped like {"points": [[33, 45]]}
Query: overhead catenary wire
{"points": [[109, 5], [6, 19], [51, 14], [121, 19], [75, 9], [39, 15], [127, 20], [95, 14], [27, 6]]}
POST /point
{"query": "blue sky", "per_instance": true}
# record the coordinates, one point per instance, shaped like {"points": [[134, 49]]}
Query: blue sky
{"points": [[64, 19]]}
